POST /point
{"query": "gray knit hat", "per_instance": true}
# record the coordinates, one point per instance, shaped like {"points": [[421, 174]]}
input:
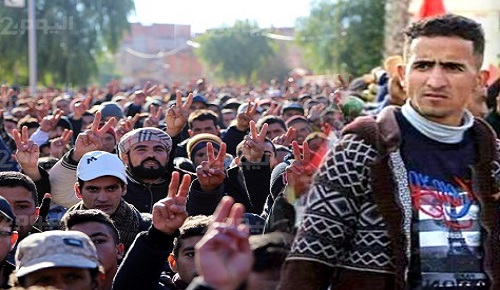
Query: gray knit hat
{"points": [[111, 109]]}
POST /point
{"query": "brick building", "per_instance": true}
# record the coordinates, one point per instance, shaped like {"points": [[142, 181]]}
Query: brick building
{"points": [[158, 53]]}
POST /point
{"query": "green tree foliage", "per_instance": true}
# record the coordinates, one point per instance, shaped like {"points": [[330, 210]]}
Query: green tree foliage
{"points": [[343, 35], [235, 53], [71, 35]]}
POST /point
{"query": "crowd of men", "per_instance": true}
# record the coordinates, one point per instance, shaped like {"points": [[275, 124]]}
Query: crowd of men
{"points": [[385, 181]]}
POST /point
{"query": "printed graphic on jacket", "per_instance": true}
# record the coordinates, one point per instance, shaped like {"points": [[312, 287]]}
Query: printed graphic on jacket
{"points": [[449, 233]]}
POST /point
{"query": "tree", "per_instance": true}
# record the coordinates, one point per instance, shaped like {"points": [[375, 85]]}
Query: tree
{"points": [[397, 18], [235, 53], [71, 35], [343, 35]]}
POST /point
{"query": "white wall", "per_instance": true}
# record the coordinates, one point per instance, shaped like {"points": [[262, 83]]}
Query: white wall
{"points": [[486, 12]]}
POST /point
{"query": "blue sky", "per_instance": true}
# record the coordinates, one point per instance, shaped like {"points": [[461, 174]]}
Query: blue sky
{"points": [[205, 14]]}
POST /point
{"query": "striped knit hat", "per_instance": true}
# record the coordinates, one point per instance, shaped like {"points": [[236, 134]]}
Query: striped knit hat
{"points": [[200, 141]]}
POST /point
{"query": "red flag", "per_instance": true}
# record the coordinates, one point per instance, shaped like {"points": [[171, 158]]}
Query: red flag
{"points": [[494, 74], [431, 8]]}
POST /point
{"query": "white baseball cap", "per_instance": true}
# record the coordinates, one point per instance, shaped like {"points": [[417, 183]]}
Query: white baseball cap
{"points": [[100, 163]]}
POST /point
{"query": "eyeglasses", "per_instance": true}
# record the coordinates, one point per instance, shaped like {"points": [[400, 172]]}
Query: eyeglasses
{"points": [[5, 234]]}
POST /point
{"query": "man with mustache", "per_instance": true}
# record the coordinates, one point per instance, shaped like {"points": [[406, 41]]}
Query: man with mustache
{"points": [[409, 200], [146, 153]]}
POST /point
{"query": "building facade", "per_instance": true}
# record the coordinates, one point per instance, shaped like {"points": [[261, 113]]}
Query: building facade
{"points": [[159, 53]]}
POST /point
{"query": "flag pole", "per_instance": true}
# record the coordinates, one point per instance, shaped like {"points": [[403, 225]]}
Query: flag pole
{"points": [[32, 47]]}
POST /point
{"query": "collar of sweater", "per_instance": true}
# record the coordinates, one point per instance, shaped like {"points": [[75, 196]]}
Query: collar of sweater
{"points": [[436, 131]]}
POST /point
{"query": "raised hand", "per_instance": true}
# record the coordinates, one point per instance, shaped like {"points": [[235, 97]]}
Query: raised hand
{"points": [[337, 96], [154, 117], [153, 91], [253, 146], [287, 138], [177, 115], [326, 128], [82, 107], [90, 140], [27, 153], [211, 173], [49, 123], [5, 94], [41, 108], [169, 213], [243, 119], [58, 145], [223, 256], [314, 114], [274, 110], [344, 84], [125, 126], [44, 207], [299, 174], [113, 87], [149, 89]]}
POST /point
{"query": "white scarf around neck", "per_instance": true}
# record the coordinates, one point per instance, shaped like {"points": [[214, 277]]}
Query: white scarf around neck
{"points": [[436, 131]]}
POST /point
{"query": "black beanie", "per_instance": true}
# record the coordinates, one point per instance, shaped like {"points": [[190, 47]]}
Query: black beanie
{"points": [[65, 123], [277, 180]]}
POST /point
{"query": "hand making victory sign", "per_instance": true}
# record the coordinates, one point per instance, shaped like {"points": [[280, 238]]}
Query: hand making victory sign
{"points": [[253, 147], [211, 173], [149, 89], [274, 110], [243, 119], [299, 174], [169, 213], [287, 138], [58, 145], [154, 117], [81, 107], [49, 123], [5, 94], [177, 115], [27, 153], [125, 126], [90, 140], [223, 256], [337, 96]]}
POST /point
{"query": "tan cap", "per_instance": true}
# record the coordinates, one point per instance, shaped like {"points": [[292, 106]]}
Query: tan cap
{"points": [[55, 249]]}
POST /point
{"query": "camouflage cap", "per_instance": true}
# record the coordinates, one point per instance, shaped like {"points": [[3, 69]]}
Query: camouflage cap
{"points": [[55, 249], [144, 134]]}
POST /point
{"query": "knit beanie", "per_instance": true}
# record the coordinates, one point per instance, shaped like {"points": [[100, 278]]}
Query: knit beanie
{"points": [[294, 119], [352, 107], [277, 181], [111, 109], [65, 123], [200, 141]]}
